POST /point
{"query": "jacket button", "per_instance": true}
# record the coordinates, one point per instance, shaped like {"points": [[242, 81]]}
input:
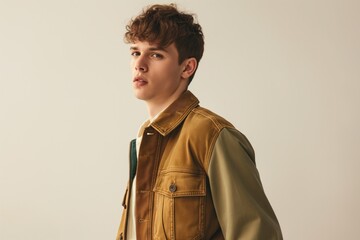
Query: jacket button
{"points": [[172, 187]]}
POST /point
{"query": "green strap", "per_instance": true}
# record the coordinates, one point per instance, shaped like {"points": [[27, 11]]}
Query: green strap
{"points": [[133, 159]]}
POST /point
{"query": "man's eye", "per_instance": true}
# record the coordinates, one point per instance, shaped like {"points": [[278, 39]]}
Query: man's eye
{"points": [[156, 55], [135, 54]]}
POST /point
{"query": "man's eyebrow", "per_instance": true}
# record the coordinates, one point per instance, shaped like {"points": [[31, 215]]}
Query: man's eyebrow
{"points": [[134, 48], [157, 49], [149, 49]]}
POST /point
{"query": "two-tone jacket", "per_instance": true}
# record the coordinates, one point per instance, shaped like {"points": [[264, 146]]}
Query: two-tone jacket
{"points": [[196, 179]]}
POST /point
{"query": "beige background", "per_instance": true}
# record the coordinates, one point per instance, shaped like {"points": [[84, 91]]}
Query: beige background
{"points": [[286, 73]]}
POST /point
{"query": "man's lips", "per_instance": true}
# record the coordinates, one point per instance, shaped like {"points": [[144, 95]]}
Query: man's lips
{"points": [[139, 81]]}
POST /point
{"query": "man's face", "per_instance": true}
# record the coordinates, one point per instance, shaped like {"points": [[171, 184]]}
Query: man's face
{"points": [[157, 75]]}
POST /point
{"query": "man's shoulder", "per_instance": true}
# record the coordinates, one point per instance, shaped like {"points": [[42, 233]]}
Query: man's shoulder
{"points": [[203, 117]]}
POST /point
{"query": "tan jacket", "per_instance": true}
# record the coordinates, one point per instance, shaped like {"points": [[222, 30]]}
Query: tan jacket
{"points": [[196, 179]]}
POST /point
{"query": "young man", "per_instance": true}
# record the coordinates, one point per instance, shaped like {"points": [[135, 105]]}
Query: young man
{"points": [[192, 174]]}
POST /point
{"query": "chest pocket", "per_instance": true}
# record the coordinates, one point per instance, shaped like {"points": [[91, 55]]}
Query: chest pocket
{"points": [[179, 205]]}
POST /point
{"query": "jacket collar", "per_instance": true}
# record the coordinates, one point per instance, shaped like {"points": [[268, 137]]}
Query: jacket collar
{"points": [[173, 115]]}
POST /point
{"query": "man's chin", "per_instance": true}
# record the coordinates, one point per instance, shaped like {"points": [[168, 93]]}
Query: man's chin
{"points": [[139, 96]]}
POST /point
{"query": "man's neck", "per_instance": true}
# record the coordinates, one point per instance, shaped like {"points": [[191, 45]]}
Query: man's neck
{"points": [[154, 108], [154, 111]]}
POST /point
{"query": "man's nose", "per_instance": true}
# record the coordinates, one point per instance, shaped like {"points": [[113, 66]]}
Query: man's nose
{"points": [[141, 65]]}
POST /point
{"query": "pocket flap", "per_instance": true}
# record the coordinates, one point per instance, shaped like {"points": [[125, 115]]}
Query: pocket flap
{"points": [[181, 184]]}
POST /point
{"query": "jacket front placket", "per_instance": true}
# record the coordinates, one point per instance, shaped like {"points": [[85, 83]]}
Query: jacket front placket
{"points": [[147, 166]]}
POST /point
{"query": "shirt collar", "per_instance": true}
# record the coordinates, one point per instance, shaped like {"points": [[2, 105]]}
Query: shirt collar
{"points": [[146, 124]]}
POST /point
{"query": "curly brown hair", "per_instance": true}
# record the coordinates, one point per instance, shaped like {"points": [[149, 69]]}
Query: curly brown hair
{"points": [[164, 25]]}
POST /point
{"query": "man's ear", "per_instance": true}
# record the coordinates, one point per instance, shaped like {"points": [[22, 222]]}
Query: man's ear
{"points": [[190, 65]]}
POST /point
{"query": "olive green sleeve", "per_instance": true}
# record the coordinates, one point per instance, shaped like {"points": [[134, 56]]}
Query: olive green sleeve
{"points": [[241, 205]]}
